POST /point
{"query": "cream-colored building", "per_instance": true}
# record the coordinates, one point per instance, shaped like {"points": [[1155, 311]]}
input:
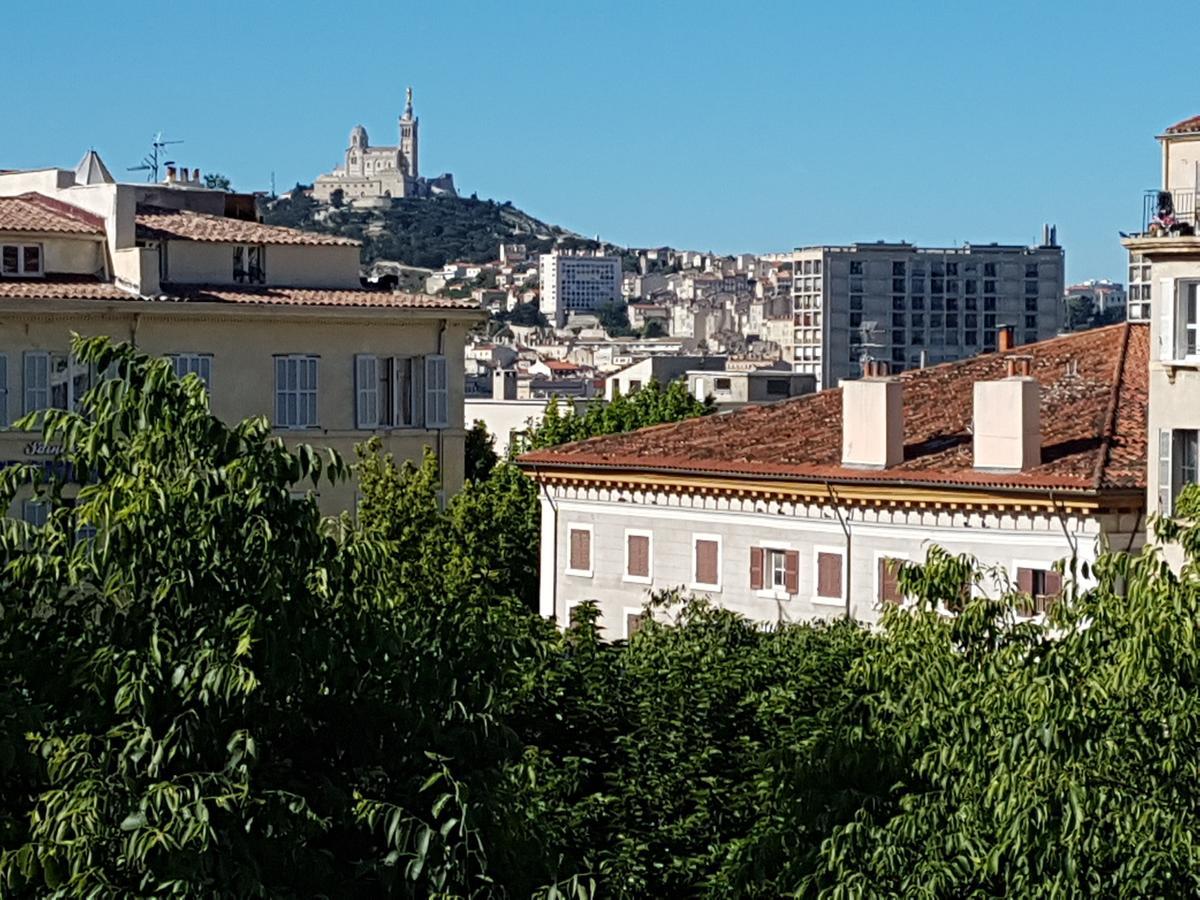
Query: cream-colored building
{"points": [[372, 173], [272, 319], [1167, 257]]}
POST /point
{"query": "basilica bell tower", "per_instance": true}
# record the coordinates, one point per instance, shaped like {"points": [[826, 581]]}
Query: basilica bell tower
{"points": [[408, 138]]}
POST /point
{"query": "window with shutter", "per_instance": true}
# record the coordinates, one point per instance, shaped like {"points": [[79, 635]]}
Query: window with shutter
{"points": [[889, 581], [637, 557], [37, 380], [3, 390], [366, 391], [707, 553], [1187, 321], [198, 364], [757, 555], [829, 576], [633, 624], [579, 550], [1039, 590], [1166, 318], [437, 395], [791, 567], [296, 391]]}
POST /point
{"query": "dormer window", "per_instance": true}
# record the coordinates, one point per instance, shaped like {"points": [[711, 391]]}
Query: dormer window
{"points": [[17, 260], [249, 264]]}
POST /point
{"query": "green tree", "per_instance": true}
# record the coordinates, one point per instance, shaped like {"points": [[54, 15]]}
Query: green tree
{"points": [[654, 329], [481, 455], [217, 181]]}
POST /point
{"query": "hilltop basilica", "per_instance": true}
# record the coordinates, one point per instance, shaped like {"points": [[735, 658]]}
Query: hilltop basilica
{"points": [[380, 173]]}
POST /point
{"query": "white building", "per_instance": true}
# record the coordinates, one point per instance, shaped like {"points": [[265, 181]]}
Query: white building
{"points": [[799, 509], [914, 306], [577, 284], [1106, 297]]}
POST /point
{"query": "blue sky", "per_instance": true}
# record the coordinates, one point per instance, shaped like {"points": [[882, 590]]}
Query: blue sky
{"points": [[713, 126]]}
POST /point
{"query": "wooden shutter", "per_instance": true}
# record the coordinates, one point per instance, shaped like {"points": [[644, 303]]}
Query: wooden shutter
{"points": [[1025, 581], [3, 389], [829, 575], [1166, 474], [366, 391], [1053, 582], [437, 408], [638, 552], [889, 581], [1167, 306], [706, 562], [757, 555], [791, 571], [581, 550], [37, 380]]}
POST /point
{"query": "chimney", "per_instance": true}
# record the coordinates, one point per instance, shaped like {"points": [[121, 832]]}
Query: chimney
{"points": [[504, 384], [1007, 419], [1004, 338], [170, 174], [195, 176], [872, 419]]}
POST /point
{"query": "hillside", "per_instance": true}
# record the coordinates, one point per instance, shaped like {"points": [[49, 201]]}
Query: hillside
{"points": [[425, 233]]}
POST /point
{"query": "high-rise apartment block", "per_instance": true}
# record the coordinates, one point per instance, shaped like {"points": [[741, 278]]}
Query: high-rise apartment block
{"points": [[914, 306], [577, 284]]}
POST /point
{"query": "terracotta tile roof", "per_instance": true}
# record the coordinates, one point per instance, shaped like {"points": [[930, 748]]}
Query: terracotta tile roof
{"points": [[1187, 126], [157, 223], [290, 296], [36, 212], [61, 287], [1094, 396]]}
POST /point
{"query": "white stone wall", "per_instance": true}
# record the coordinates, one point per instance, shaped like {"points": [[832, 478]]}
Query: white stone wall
{"points": [[1004, 540]]}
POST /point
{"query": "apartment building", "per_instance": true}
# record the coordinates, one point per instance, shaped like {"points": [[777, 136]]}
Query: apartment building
{"points": [[272, 320], [799, 509], [577, 284], [1166, 254], [912, 306]]}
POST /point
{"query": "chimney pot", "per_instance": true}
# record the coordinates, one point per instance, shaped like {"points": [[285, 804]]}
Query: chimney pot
{"points": [[195, 176], [170, 174], [1004, 337]]}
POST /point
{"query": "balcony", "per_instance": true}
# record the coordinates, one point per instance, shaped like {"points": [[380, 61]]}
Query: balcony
{"points": [[1169, 213]]}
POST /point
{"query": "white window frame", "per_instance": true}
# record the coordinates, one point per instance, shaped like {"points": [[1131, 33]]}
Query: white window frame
{"points": [[1182, 325], [366, 392], [875, 585], [248, 275], [198, 364], [581, 573], [21, 271], [437, 392], [394, 397], [639, 579], [818, 600], [301, 422], [1170, 441], [1037, 564], [696, 585], [39, 398]]}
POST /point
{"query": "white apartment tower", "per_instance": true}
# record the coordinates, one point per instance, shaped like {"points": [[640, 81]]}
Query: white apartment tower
{"points": [[577, 284], [916, 306], [1166, 258]]}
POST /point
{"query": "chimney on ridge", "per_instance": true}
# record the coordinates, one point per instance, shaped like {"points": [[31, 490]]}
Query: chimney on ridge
{"points": [[504, 384], [1008, 420], [873, 419], [1004, 338]]}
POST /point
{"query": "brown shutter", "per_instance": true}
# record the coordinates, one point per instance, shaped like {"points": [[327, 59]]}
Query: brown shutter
{"points": [[639, 556], [581, 550], [1025, 581], [889, 582], [756, 568], [1053, 584], [829, 575], [706, 562], [792, 571]]}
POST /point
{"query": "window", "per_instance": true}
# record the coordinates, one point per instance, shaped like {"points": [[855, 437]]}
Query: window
{"points": [[633, 622], [579, 550], [1178, 454], [296, 391], [989, 287], [898, 285], [777, 387], [35, 512], [898, 303], [989, 270], [829, 575], [918, 302], [1031, 304], [1031, 289], [888, 580], [21, 260], [722, 385], [198, 364], [1031, 322], [437, 393], [1187, 320], [898, 268], [856, 267], [855, 319], [634, 385], [969, 286], [1040, 588], [774, 570], [856, 301], [383, 395], [249, 264], [3, 390], [54, 381], [706, 562], [637, 556], [1031, 270]]}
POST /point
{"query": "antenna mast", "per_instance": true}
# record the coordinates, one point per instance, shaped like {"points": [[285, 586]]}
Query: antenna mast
{"points": [[151, 161]]}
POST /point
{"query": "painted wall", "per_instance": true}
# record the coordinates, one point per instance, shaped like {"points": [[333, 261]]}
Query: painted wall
{"points": [[202, 262], [81, 255], [243, 345]]}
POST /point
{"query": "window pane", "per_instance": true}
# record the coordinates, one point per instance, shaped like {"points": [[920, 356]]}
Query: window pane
{"points": [[33, 259], [10, 260]]}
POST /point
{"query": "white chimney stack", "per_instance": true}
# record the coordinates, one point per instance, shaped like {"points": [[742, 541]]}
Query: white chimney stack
{"points": [[1008, 419], [873, 419]]}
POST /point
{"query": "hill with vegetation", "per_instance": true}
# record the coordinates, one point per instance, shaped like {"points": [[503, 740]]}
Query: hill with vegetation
{"points": [[424, 232]]}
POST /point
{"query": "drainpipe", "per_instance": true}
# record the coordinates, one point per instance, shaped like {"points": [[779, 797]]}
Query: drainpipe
{"points": [[553, 555], [441, 432], [845, 523]]}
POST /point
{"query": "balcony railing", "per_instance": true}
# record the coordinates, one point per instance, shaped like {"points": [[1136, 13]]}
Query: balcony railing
{"points": [[1170, 212]]}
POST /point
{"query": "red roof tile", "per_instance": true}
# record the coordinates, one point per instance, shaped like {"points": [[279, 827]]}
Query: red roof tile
{"points": [[157, 223], [1187, 126], [290, 296], [38, 213], [61, 287], [1094, 395]]}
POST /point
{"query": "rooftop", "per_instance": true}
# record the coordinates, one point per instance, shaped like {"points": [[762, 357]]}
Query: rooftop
{"points": [[39, 213], [158, 223], [1187, 126], [1094, 395]]}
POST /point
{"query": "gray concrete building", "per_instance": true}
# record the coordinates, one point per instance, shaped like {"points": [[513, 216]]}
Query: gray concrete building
{"points": [[912, 306]]}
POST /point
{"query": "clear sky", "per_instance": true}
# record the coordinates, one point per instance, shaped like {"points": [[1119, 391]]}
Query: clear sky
{"points": [[711, 126]]}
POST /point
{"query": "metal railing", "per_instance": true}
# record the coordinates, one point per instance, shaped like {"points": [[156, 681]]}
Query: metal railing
{"points": [[1170, 212]]}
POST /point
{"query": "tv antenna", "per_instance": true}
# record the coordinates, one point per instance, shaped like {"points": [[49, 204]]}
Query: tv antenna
{"points": [[151, 161]]}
